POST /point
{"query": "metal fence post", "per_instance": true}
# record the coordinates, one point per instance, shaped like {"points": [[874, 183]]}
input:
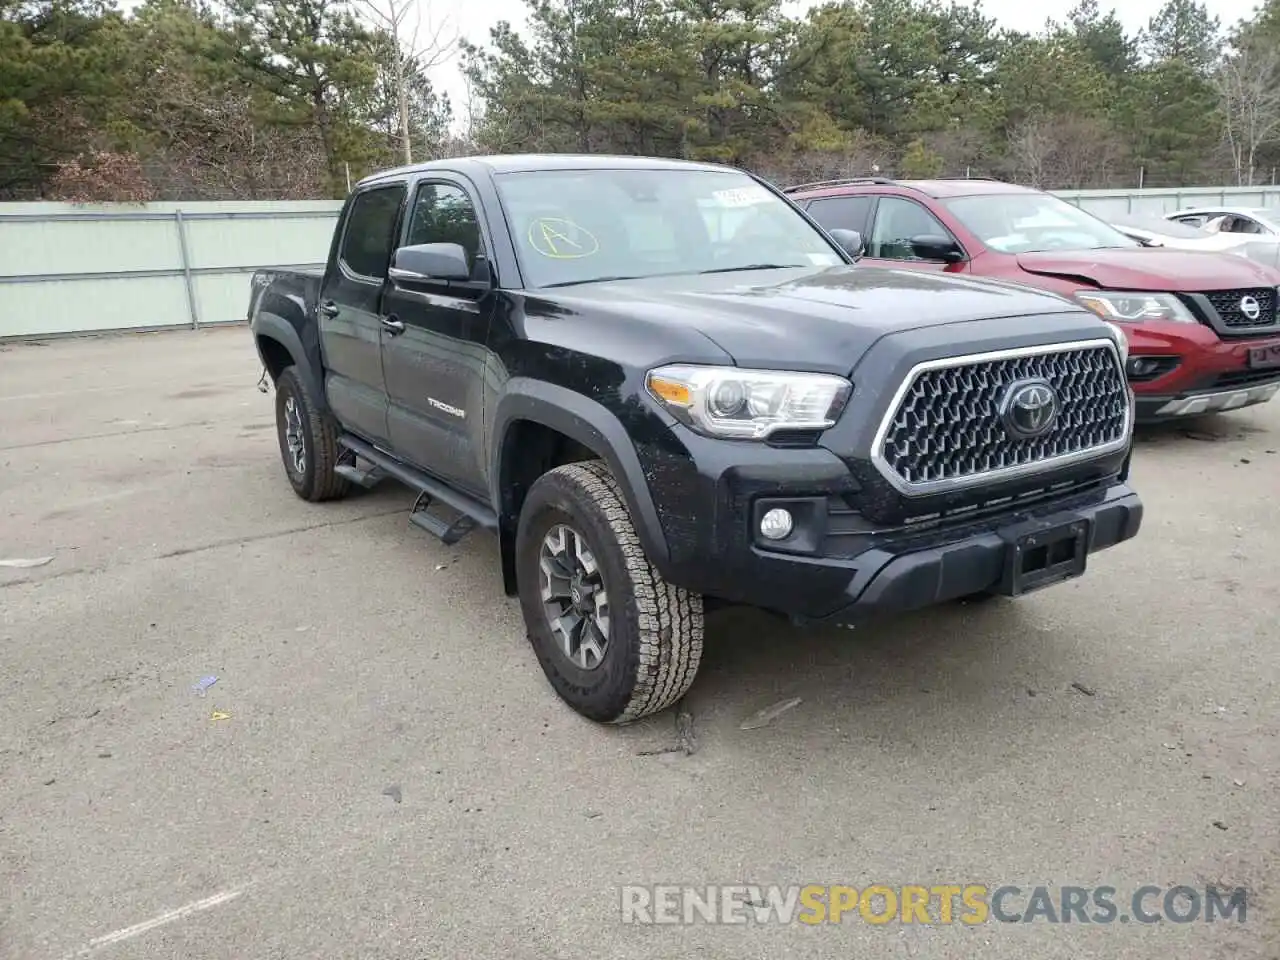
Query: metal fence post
{"points": [[186, 269]]}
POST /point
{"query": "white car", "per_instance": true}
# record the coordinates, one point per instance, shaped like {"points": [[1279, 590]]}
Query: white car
{"points": [[1208, 230], [1253, 221]]}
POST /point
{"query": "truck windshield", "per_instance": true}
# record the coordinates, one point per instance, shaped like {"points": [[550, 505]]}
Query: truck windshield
{"points": [[1034, 222], [577, 226]]}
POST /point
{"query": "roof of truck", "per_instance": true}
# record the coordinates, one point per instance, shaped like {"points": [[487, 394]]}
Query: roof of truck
{"points": [[531, 162]]}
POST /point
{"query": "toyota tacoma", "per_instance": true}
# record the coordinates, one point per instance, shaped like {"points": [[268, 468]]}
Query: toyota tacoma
{"points": [[663, 386]]}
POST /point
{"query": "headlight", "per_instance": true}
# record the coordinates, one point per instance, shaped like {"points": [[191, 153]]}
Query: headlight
{"points": [[1136, 307], [1122, 342], [743, 404]]}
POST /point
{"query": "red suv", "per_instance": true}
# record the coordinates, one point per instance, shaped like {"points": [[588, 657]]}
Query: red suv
{"points": [[1203, 330]]}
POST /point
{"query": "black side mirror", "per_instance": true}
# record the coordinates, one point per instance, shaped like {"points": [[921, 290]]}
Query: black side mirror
{"points": [[850, 240], [934, 247], [431, 261]]}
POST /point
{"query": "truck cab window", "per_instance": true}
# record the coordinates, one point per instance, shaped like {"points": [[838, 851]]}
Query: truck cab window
{"points": [[369, 234], [443, 213]]}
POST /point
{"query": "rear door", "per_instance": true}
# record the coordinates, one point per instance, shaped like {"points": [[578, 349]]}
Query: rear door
{"points": [[433, 344], [350, 310], [842, 213], [895, 221]]}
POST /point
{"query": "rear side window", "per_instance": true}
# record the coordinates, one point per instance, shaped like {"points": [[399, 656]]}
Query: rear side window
{"points": [[842, 213], [1240, 224], [370, 231]]}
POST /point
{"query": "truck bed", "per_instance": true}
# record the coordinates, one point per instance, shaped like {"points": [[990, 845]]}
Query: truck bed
{"points": [[284, 292]]}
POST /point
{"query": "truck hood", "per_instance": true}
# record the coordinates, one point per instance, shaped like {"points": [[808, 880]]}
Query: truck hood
{"points": [[807, 318], [1151, 269]]}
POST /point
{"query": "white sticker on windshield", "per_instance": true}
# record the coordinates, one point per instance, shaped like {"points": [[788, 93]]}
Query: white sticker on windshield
{"points": [[742, 196]]}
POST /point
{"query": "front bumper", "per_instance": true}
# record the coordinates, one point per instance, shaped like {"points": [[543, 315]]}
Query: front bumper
{"points": [[982, 562], [1201, 373], [840, 566], [1151, 409]]}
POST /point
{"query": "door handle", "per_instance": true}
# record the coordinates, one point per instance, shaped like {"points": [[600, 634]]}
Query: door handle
{"points": [[328, 308], [393, 326]]}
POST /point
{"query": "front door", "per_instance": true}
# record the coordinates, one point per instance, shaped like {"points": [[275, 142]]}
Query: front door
{"points": [[349, 311], [433, 348], [896, 221]]}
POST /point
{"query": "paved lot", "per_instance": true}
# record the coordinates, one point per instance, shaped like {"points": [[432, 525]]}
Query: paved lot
{"points": [[395, 779]]}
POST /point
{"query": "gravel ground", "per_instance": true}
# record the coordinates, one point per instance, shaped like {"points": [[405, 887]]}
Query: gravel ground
{"points": [[389, 775]]}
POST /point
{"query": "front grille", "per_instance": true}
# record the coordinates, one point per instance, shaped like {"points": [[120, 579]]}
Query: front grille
{"points": [[1228, 304], [947, 430]]}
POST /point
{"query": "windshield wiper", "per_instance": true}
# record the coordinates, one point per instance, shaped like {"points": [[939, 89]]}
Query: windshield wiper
{"points": [[753, 266], [574, 283]]}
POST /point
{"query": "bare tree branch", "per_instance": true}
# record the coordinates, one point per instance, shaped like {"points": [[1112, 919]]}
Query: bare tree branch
{"points": [[400, 20], [1247, 83]]}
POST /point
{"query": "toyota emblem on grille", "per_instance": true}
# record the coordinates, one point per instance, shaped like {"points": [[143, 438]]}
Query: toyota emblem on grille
{"points": [[1029, 409], [1250, 307]]}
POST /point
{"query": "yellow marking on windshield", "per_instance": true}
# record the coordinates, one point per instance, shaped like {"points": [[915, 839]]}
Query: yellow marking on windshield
{"points": [[554, 237]]}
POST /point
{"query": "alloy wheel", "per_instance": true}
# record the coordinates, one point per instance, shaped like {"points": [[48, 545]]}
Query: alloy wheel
{"points": [[293, 435], [574, 597]]}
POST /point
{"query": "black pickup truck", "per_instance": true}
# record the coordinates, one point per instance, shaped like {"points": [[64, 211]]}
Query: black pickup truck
{"points": [[664, 386]]}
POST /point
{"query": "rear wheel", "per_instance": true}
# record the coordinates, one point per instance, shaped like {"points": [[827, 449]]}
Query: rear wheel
{"points": [[308, 442], [615, 640]]}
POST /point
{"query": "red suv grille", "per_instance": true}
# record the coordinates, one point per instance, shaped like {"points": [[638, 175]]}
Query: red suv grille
{"points": [[1231, 306]]}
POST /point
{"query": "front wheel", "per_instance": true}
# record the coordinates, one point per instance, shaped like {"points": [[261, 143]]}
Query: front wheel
{"points": [[616, 641]]}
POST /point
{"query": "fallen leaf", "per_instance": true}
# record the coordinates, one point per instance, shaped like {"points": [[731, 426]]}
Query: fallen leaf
{"points": [[219, 715], [763, 717], [203, 684]]}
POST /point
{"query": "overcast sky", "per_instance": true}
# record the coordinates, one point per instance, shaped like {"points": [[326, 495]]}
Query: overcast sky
{"points": [[472, 18]]}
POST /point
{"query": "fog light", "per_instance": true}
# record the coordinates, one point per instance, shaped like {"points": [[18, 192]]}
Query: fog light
{"points": [[1143, 366], [776, 524]]}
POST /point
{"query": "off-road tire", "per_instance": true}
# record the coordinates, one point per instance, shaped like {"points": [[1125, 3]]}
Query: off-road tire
{"points": [[317, 481], [655, 628]]}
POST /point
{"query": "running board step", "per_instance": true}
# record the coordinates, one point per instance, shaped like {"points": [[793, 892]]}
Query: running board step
{"points": [[362, 478], [450, 531], [471, 513]]}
